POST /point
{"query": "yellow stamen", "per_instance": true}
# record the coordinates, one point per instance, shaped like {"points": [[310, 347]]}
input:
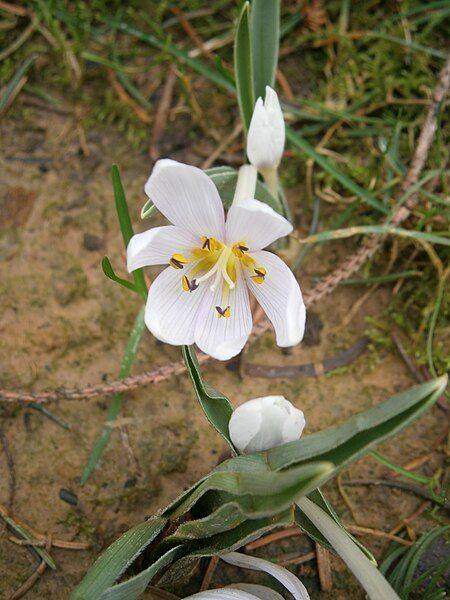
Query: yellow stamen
{"points": [[177, 261], [260, 274], [185, 284], [223, 312]]}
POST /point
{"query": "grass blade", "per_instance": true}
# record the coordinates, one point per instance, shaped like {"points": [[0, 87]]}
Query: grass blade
{"points": [[265, 32], [243, 67], [300, 143], [11, 89], [109, 272], [116, 403], [339, 234], [125, 226]]}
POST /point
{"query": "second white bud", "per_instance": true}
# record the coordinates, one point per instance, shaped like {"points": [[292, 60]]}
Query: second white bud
{"points": [[266, 134], [265, 423]]}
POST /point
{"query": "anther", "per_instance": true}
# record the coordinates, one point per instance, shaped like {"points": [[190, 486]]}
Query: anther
{"points": [[177, 261], [260, 274], [189, 286], [223, 312]]}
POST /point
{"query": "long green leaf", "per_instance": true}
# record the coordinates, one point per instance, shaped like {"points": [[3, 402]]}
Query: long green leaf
{"points": [[11, 87], [265, 35], [339, 234], [132, 588], [125, 225], [216, 406], [109, 272], [116, 559], [243, 67], [116, 403], [300, 143], [347, 442]]}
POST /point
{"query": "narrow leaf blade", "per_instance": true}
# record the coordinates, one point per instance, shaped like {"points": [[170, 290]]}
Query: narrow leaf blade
{"points": [[265, 32], [243, 67]]}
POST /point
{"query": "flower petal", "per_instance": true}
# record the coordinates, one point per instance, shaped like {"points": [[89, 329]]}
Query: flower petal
{"points": [[260, 591], [157, 245], [255, 223], [187, 197], [244, 424], [171, 313], [223, 594], [222, 337], [281, 298], [288, 579], [266, 134]]}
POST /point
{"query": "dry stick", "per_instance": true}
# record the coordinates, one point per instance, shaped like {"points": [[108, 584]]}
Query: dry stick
{"points": [[358, 530], [324, 568], [192, 33], [273, 537], [297, 560], [123, 95], [162, 113], [28, 584], [323, 288], [11, 470], [209, 573]]}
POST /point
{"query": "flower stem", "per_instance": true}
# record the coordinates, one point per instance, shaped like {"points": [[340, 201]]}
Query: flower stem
{"points": [[270, 175], [367, 574], [246, 184]]}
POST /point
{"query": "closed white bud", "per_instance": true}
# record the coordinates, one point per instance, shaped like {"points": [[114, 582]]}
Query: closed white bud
{"points": [[265, 423], [266, 135]]}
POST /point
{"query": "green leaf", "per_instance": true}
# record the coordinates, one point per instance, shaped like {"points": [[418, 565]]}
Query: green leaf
{"points": [[359, 434], [116, 403], [300, 143], [302, 521], [339, 234], [109, 272], [148, 210], [216, 406], [126, 226], [23, 533], [132, 588], [116, 559], [265, 35], [243, 67], [10, 89], [225, 179]]}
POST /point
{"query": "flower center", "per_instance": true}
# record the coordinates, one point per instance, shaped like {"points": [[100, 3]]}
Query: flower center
{"points": [[216, 262]]}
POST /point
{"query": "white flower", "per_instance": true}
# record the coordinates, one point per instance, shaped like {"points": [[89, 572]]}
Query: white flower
{"points": [[203, 295], [266, 135], [264, 423]]}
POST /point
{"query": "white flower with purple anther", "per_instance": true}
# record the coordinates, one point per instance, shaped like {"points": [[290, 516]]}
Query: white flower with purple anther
{"points": [[266, 134], [265, 423], [202, 297]]}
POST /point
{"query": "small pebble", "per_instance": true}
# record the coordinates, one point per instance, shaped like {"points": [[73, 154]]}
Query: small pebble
{"points": [[92, 242], [68, 496]]}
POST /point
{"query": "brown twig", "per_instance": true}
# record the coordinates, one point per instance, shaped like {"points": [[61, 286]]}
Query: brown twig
{"points": [[323, 288], [14, 9], [324, 568], [11, 470], [127, 99], [407, 520], [209, 573], [162, 113], [28, 584], [273, 537], [400, 485], [296, 560], [191, 32], [357, 530], [42, 543]]}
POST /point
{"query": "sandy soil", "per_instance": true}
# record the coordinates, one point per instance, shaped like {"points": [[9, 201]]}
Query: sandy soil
{"points": [[63, 323]]}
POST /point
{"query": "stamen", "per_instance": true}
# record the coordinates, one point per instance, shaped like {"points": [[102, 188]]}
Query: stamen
{"points": [[177, 261], [239, 249], [223, 312], [188, 286], [260, 275]]}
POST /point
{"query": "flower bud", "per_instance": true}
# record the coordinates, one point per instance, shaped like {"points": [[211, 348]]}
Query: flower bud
{"points": [[264, 423], [265, 139]]}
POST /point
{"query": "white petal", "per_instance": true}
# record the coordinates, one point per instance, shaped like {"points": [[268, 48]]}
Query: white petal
{"points": [[260, 591], [171, 313], [222, 338], [157, 245], [281, 298], [256, 223], [266, 134], [187, 197], [222, 594], [288, 579], [294, 425], [244, 424]]}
